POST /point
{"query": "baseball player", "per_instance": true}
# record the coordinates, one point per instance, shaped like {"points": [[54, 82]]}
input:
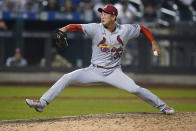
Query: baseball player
{"points": [[109, 40]]}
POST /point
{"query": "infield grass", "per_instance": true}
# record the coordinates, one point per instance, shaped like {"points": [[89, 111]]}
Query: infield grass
{"points": [[70, 101]]}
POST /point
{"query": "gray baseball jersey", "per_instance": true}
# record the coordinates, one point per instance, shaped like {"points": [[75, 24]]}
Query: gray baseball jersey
{"points": [[107, 47]]}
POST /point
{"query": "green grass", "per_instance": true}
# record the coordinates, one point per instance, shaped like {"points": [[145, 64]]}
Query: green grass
{"points": [[17, 109], [93, 92]]}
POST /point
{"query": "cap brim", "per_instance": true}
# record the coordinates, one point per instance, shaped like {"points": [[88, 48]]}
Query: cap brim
{"points": [[100, 9]]}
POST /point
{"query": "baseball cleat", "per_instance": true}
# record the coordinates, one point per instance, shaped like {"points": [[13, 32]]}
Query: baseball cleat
{"points": [[35, 104], [168, 111]]}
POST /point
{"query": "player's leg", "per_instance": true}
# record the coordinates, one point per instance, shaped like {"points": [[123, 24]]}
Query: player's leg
{"points": [[122, 81], [85, 75]]}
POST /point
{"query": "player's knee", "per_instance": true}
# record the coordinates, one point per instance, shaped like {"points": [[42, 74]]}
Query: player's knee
{"points": [[67, 77], [135, 90]]}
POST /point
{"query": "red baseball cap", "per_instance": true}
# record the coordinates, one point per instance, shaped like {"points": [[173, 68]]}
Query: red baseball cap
{"points": [[110, 9]]}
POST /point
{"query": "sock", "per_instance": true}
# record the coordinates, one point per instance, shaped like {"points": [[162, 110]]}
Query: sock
{"points": [[43, 102], [161, 107]]}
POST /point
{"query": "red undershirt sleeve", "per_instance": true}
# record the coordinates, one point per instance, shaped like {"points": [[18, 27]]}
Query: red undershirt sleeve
{"points": [[147, 33], [74, 27]]}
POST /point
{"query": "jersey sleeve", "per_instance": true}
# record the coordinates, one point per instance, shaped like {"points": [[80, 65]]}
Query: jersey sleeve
{"points": [[133, 30], [147, 33], [89, 29]]}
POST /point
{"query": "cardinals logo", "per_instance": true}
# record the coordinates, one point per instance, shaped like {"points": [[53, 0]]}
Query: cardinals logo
{"points": [[102, 42], [116, 50], [119, 40]]}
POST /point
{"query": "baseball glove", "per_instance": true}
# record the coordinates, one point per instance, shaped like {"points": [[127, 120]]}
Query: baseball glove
{"points": [[61, 39]]}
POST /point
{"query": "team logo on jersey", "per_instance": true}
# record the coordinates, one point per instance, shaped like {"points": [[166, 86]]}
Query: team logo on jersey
{"points": [[106, 48], [103, 45], [119, 40]]}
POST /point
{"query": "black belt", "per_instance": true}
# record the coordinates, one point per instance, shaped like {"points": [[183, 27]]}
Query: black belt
{"points": [[103, 66]]}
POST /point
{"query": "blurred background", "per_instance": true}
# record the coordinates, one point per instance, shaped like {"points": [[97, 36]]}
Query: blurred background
{"points": [[27, 42]]}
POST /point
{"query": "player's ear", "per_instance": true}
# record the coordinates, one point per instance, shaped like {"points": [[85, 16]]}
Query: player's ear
{"points": [[114, 17]]}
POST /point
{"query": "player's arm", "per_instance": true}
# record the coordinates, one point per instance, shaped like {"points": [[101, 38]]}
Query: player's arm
{"points": [[61, 35], [146, 32], [71, 27]]}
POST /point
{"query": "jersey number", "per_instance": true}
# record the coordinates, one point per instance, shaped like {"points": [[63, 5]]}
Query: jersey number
{"points": [[117, 55]]}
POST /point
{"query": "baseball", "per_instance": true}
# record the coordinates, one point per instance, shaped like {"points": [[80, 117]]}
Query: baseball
{"points": [[156, 53]]}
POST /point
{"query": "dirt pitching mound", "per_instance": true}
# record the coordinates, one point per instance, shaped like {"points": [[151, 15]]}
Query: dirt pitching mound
{"points": [[107, 122]]}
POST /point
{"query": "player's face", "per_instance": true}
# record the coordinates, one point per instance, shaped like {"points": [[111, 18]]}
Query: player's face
{"points": [[107, 19]]}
